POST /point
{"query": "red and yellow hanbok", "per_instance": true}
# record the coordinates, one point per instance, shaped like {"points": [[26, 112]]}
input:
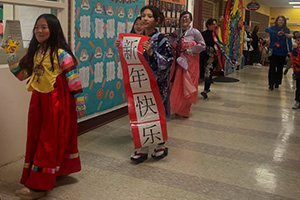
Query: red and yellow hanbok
{"points": [[51, 148]]}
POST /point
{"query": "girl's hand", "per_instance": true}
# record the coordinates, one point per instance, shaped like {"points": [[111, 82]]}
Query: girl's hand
{"points": [[289, 35], [81, 113], [12, 49], [280, 33], [147, 46]]}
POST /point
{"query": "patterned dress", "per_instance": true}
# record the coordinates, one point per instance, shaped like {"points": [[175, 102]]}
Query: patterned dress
{"points": [[51, 148], [160, 63]]}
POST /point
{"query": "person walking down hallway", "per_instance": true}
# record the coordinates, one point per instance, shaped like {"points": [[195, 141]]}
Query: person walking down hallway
{"points": [[208, 58], [295, 55], [255, 54], [246, 44], [281, 44], [56, 100], [289, 59], [187, 43], [158, 55]]}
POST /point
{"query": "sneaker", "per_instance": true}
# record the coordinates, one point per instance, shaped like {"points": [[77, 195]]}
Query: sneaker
{"points": [[258, 64], [296, 105], [271, 87], [204, 94], [28, 194]]}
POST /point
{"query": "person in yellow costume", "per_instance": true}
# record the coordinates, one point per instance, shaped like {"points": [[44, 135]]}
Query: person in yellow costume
{"points": [[56, 101]]}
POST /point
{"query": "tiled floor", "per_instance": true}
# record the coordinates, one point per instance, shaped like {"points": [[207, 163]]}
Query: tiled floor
{"points": [[242, 143]]}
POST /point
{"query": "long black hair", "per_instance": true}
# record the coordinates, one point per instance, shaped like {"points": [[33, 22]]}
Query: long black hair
{"points": [[255, 30], [132, 30], [55, 41]]}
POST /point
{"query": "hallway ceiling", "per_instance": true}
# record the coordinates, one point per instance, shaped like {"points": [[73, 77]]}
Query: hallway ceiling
{"points": [[280, 3]]}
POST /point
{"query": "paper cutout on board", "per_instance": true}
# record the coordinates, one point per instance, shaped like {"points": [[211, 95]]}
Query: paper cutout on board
{"points": [[98, 8], [85, 4], [98, 52], [98, 74], [110, 10]]}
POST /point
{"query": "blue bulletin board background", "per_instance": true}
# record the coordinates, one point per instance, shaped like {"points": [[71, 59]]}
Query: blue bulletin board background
{"points": [[97, 25]]}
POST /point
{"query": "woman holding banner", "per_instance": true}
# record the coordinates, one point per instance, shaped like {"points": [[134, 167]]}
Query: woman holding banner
{"points": [[158, 54], [187, 43]]}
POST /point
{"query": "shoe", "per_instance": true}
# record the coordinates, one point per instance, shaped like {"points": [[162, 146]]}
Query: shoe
{"points": [[258, 64], [285, 71], [160, 153], [177, 115], [271, 87], [296, 105], [276, 86], [204, 94], [28, 194], [138, 157]]}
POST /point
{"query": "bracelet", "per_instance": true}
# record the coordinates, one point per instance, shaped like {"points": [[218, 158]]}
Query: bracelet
{"points": [[80, 107]]}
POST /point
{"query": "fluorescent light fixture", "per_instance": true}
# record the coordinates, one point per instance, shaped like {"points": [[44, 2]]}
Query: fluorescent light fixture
{"points": [[294, 2], [296, 6]]}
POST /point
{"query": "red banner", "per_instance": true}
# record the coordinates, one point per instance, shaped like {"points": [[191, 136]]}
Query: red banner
{"points": [[146, 111]]}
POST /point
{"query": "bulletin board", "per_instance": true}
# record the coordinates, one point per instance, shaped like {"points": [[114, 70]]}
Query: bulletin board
{"points": [[171, 10], [97, 24]]}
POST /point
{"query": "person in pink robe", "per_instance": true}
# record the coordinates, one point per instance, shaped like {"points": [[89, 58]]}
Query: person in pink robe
{"points": [[187, 43]]}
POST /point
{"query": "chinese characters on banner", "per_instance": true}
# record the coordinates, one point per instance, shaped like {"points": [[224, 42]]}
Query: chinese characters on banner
{"points": [[146, 111]]}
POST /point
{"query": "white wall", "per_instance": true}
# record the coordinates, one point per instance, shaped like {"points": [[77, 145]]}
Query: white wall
{"points": [[191, 6], [13, 116], [27, 21]]}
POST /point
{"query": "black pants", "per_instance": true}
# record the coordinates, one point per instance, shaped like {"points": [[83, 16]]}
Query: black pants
{"points": [[245, 53], [275, 70], [297, 92], [255, 56], [202, 61], [208, 80]]}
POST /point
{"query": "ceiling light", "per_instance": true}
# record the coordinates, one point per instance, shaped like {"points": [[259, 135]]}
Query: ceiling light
{"points": [[296, 6], [294, 2]]}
